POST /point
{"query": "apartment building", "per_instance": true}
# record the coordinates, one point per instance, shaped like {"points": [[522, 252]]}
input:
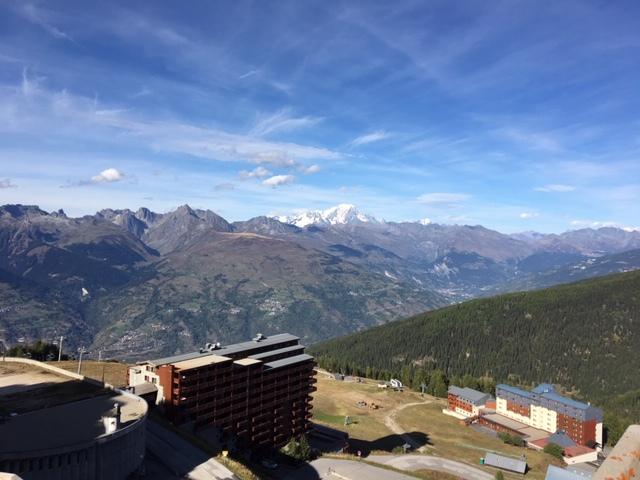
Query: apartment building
{"points": [[543, 408], [254, 393], [466, 402]]}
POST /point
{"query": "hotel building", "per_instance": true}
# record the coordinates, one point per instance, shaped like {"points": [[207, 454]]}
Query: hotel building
{"points": [[466, 402], [543, 408], [255, 393]]}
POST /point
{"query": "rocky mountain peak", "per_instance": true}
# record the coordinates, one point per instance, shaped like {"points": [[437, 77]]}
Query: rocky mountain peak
{"points": [[19, 211], [342, 214]]}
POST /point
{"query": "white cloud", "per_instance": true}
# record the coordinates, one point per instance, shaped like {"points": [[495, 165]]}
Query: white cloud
{"points": [[250, 73], [443, 199], [527, 215], [109, 175], [282, 121], [556, 187], [220, 187], [258, 172], [6, 183], [41, 17], [278, 180], [32, 109], [369, 138], [311, 169], [543, 141]]}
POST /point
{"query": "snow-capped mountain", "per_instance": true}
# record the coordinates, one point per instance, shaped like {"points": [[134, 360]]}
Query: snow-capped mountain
{"points": [[338, 215]]}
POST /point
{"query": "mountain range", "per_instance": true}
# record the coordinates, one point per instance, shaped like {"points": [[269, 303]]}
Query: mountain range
{"points": [[140, 283]]}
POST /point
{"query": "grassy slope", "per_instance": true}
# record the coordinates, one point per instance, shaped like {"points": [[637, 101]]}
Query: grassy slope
{"points": [[445, 435]]}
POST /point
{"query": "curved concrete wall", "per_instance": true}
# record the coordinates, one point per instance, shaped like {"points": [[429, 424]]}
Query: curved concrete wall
{"points": [[107, 457]]}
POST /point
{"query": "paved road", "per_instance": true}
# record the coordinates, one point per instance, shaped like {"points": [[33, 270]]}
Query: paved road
{"points": [[181, 457], [427, 462], [338, 469], [390, 422]]}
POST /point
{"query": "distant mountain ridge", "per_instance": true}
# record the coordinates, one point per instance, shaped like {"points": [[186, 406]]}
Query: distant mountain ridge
{"points": [[166, 282]]}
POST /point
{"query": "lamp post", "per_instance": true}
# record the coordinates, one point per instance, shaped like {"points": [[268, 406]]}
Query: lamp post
{"points": [[60, 348], [81, 350]]}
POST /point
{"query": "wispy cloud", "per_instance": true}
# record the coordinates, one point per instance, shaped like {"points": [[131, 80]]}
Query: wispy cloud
{"points": [[258, 172], [225, 186], [369, 138], [556, 187], [278, 180], [7, 183], [250, 73], [528, 215], [33, 109], [42, 18], [543, 141], [443, 199], [282, 121], [311, 169]]}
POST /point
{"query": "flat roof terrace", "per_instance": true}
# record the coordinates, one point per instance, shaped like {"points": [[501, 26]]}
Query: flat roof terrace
{"points": [[200, 362], [235, 348], [25, 387], [66, 425], [531, 434]]}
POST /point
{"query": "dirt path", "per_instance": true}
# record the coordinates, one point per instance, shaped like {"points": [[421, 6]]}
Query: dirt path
{"points": [[390, 422]]}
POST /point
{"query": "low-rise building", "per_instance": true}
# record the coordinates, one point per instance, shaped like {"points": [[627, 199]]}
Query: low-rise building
{"points": [[466, 402]]}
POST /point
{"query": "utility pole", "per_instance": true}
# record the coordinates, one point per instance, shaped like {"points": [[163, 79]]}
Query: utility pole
{"points": [[81, 350], [60, 348]]}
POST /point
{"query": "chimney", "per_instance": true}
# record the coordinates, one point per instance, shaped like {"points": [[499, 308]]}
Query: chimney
{"points": [[116, 407]]}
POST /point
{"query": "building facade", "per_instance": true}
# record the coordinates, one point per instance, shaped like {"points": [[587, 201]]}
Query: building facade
{"points": [[543, 408], [466, 401], [254, 393]]}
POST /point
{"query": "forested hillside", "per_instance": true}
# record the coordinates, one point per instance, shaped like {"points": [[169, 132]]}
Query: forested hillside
{"points": [[584, 337]]}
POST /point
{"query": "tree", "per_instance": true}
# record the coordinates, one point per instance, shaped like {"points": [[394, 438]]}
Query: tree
{"points": [[499, 475], [298, 448], [304, 448], [553, 449], [469, 382], [437, 384]]}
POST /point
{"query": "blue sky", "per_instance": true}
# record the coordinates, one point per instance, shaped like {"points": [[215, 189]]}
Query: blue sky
{"points": [[517, 115]]}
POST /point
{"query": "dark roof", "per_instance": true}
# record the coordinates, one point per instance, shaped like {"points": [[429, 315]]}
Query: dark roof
{"points": [[272, 353], [288, 361], [473, 396], [505, 463], [227, 349], [562, 439], [546, 395]]}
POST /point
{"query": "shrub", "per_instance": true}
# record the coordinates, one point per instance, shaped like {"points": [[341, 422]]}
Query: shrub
{"points": [[553, 449]]}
